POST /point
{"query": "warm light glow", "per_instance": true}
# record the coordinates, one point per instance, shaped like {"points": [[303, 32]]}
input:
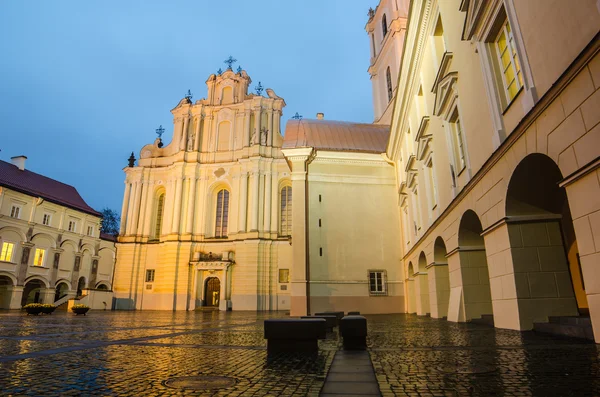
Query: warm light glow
{"points": [[7, 252], [40, 255]]}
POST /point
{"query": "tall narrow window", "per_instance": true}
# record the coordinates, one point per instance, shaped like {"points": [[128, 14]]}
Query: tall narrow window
{"points": [[6, 254], [286, 212], [384, 27], [458, 137], [160, 205], [373, 45], [388, 79], [46, 219], [72, 226], [439, 44], [15, 211], [377, 282], [510, 68], [222, 213], [40, 255]]}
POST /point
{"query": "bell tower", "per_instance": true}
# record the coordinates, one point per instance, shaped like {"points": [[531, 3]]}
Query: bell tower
{"points": [[386, 28]]}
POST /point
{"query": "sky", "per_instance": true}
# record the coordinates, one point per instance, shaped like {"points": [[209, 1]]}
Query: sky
{"points": [[85, 83]]}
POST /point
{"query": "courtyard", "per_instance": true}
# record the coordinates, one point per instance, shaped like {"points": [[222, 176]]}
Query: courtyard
{"points": [[150, 353]]}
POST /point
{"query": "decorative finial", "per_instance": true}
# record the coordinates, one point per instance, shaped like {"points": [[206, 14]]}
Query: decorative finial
{"points": [[239, 69], [297, 116], [159, 131], [371, 13], [131, 160], [230, 61], [219, 72], [189, 95], [259, 88]]}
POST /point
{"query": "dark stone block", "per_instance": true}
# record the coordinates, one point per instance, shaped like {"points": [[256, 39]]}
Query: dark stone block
{"points": [[294, 335], [330, 320], [354, 331], [354, 313]]}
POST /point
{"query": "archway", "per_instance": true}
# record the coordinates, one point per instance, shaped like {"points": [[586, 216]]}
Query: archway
{"points": [[477, 296], [544, 251], [212, 291], [102, 287], [32, 293], [439, 281], [61, 291], [422, 286], [80, 286], [6, 284], [410, 287]]}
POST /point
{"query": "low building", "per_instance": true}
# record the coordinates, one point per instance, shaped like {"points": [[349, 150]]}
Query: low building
{"points": [[50, 244]]}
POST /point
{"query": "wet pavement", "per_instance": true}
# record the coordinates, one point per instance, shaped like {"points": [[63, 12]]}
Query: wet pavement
{"points": [[224, 354]]}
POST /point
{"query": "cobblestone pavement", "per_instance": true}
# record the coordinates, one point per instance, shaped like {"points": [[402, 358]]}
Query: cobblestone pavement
{"points": [[135, 353]]}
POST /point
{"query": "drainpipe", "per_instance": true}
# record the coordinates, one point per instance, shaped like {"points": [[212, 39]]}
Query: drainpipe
{"points": [[306, 231]]}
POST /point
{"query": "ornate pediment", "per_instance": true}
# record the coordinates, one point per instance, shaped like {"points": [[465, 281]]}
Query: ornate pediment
{"points": [[445, 94], [423, 138], [411, 170], [480, 17], [443, 70], [402, 193]]}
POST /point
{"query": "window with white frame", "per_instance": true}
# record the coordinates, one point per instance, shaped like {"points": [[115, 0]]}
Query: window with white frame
{"points": [[46, 219], [222, 215], [285, 213], [15, 211], [7, 252], [150, 275], [377, 282], [458, 143], [72, 226], [39, 257], [90, 231], [508, 61]]}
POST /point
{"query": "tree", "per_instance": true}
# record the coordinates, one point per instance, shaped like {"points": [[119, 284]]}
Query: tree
{"points": [[110, 222]]}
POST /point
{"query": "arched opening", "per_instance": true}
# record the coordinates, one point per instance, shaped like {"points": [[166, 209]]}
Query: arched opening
{"points": [[410, 287], [439, 280], [477, 296], [80, 286], [222, 213], [212, 291], [158, 215], [422, 286], [32, 293], [6, 284], [543, 244], [285, 211], [61, 291], [102, 287], [384, 26]]}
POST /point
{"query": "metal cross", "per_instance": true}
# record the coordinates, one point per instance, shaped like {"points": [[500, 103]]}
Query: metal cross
{"points": [[259, 88], [159, 131], [189, 95], [219, 72], [297, 116], [230, 61], [239, 69]]}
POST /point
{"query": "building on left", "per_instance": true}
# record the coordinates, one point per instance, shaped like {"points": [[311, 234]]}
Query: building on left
{"points": [[51, 247]]}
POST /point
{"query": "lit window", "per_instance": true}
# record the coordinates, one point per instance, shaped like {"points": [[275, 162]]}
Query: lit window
{"points": [[384, 26], [222, 213], [46, 219], [72, 226], [150, 275], [510, 68], [286, 212], [284, 275], [15, 212], [388, 78], [90, 231], [458, 141], [6, 254], [377, 282], [40, 255], [160, 205]]}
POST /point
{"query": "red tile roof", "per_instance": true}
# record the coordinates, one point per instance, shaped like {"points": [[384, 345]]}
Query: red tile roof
{"points": [[336, 135], [40, 186]]}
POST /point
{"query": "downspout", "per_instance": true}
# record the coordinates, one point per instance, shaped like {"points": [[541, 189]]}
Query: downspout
{"points": [[306, 233]]}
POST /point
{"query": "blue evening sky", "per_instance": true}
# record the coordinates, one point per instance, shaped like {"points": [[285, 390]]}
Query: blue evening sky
{"points": [[85, 83]]}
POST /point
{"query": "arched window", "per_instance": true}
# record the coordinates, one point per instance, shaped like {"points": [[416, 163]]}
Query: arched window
{"points": [[388, 78], [384, 25], [160, 209], [285, 224], [222, 213]]}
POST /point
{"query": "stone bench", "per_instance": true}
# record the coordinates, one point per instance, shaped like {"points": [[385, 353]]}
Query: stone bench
{"points": [[354, 313], [338, 315], [330, 320], [354, 331], [294, 334]]}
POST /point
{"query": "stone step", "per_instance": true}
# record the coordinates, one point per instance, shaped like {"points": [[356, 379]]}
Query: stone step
{"points": [[573, 331], [585, 321]]}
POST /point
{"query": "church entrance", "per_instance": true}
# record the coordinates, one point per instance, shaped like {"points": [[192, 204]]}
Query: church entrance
{"points": [[212, 290]]}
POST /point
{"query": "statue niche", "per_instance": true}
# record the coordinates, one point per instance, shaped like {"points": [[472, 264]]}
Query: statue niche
{"points": [[223, 136]]}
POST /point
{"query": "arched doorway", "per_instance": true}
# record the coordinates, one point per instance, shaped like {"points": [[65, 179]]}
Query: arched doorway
{"points": [[102, 287], [80, 286], [61, 291], [32, 293], [6, 284], [544, 249], [439, 281], [422, 286], [477, 296], [410, 286], [212, 290]]}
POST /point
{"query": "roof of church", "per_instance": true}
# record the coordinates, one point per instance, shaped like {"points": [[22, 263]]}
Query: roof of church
{"points": [[38, 185], [336, 135]]}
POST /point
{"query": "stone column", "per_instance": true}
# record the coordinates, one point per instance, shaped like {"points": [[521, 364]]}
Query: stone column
{"points": [[94, 272], [184, 133], [124, 209], [254, 182], [247, 132], [276, 121], [16, 296], [55, 263], [75, 274], [191, 199], [223, 302], [145, 216], [47, 295], [243, 202], [270, 128], [274, 202], [130, 207], [200, 205], [135, 219], [23, 265], [267, 201], [177, 206]]}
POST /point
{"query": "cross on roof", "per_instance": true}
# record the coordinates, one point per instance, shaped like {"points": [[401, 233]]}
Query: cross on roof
{"points": [[297, 116], [230, 61], [159, 131]]}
